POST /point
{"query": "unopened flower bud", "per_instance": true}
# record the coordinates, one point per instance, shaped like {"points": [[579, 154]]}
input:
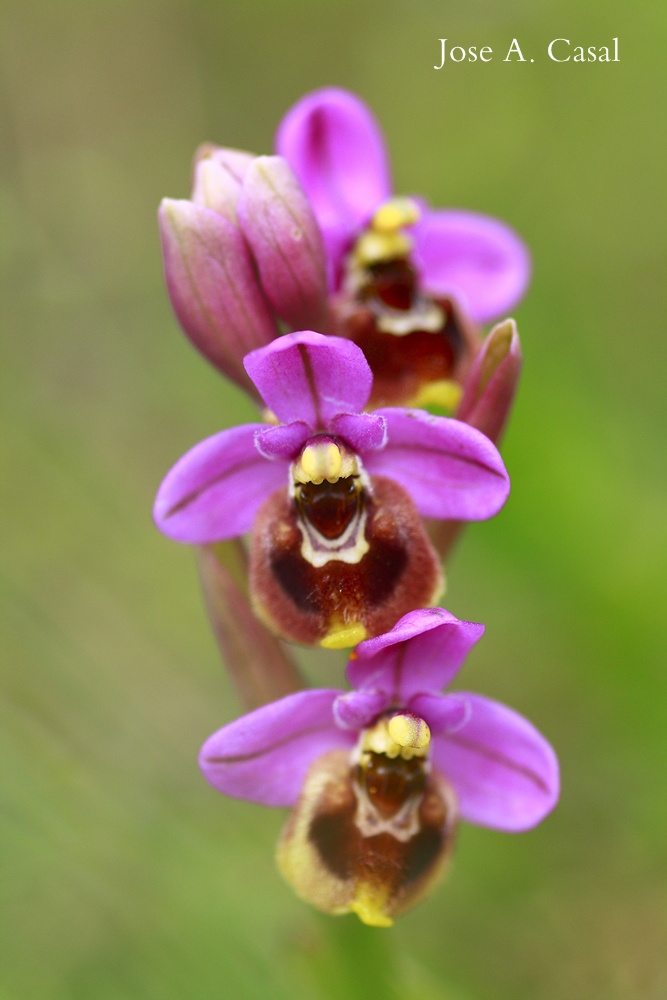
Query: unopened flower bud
{"points": [[492, 381], [217, 178], [212, 286], [286, 242]]}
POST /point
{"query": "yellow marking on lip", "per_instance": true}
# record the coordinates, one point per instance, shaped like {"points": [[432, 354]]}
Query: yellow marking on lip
{"points": [[369, 904], [342, 636], [443, 392]]}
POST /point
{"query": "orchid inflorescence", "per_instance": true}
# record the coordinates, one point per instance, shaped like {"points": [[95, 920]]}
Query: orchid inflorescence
{"points": [[351, 317]]}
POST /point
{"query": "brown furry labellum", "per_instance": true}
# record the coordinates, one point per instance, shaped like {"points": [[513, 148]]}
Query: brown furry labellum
{"points": [[371, 833], [336, 560]]}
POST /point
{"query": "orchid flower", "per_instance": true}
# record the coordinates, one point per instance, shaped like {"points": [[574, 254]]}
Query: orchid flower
{"points": [[404, 276], [377, 777], [333, 497]]}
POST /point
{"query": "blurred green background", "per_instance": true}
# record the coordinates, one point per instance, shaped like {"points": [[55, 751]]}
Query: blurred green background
{"points": [[123, 874]]}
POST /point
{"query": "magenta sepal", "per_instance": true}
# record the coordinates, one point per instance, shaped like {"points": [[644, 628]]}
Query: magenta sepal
{"points": [[312, 378], [424, 451], [473, 258], [336, 149], [264, 756], [216, 489]]}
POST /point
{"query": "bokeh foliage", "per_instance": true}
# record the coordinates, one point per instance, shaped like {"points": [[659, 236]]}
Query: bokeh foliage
{"points": [[123, 875]]}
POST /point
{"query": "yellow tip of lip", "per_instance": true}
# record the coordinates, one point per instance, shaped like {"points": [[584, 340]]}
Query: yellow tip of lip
{"points": [[342, 636], [444, 393], [368, 907]]}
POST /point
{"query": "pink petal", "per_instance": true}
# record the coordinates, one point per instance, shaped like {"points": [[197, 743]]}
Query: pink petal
{"points": [[264, 756], [422, 653], [306, 376], [359, 709], [361, 431], [477, 260], [451, 470], [280, 227], [215, 490], [336, 149], [284, 441], [504, 772], [212, 286]]}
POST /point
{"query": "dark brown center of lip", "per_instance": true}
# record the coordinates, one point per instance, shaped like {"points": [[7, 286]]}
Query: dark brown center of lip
{"points": [[394, 283], [390, 781], [330, 507]]}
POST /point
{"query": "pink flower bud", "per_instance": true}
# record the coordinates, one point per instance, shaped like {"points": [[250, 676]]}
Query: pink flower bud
{"points": [[217, 178], [492, 382], [279, 224], [212, 286]]}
